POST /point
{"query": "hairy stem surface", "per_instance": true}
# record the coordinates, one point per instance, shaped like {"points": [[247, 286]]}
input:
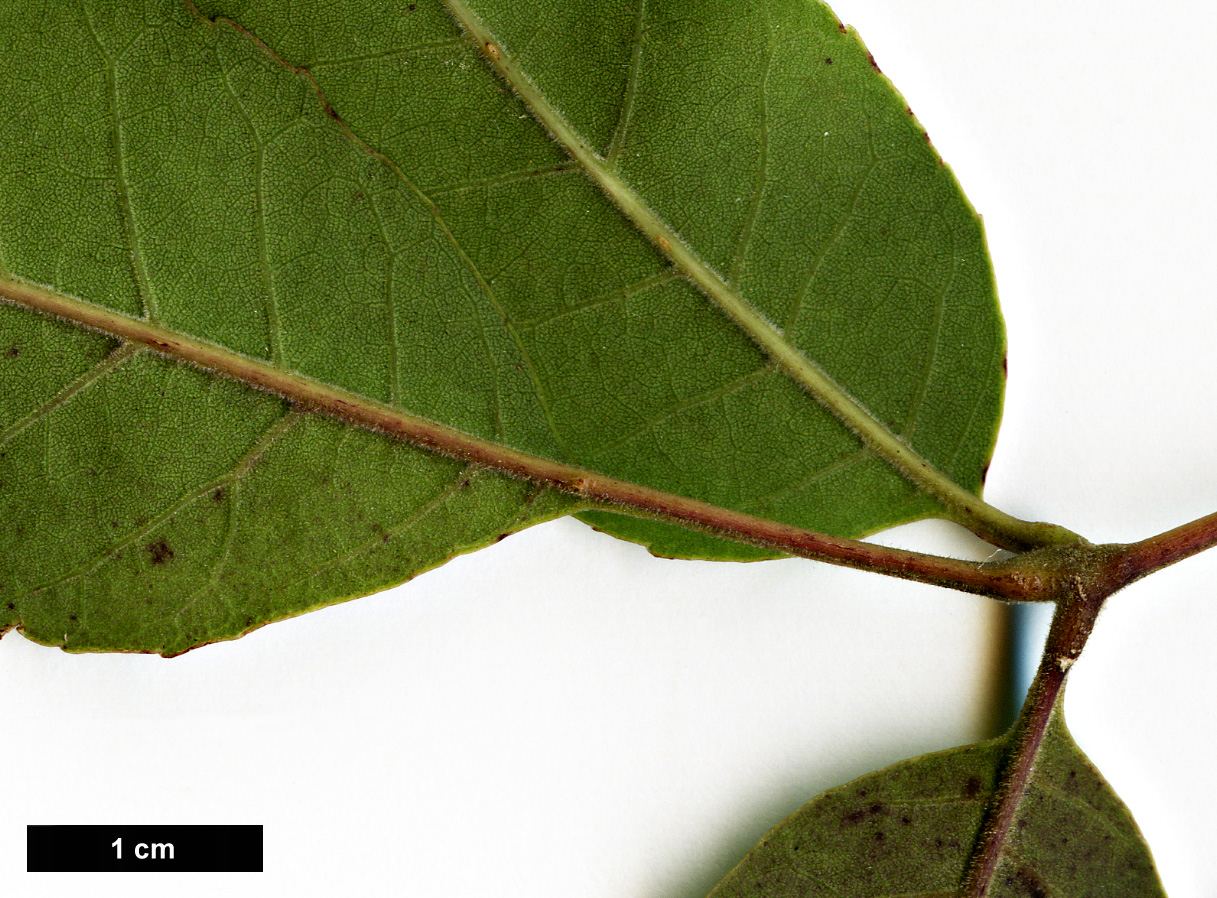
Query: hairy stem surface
{"points": [[1071, 627], [1156, 552]]}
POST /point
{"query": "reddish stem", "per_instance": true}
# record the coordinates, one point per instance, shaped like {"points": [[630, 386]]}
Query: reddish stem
{"points": [[1071, 626], [1142, 558]]}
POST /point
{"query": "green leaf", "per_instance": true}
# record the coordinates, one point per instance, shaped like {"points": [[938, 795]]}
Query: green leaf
{"points": [[908, 830], [352, 194]]}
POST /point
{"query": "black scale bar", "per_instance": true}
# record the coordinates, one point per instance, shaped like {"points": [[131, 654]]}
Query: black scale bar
{"points": [[184, 849]]}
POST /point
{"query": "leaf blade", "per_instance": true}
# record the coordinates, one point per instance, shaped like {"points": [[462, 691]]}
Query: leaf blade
{"points": [[274, 210], [812, 22], [909, 830]]}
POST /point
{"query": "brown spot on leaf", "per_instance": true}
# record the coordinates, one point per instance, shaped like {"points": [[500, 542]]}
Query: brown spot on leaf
{"points": [[870, 57], [160, 552], [854, 817], [984, 472], [827, 60], [12, 352], [218, 495], [971, 787], [841, 27], [1028, 882]]}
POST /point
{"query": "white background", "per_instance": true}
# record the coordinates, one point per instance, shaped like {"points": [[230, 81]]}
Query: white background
{"points": [[561, 715]]}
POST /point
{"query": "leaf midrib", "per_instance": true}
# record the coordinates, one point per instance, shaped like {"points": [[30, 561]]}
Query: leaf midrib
{"points": [[958, 503]]}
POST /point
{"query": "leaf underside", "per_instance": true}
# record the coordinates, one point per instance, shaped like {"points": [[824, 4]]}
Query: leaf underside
{"points": [[351, 193], [907, 832]]}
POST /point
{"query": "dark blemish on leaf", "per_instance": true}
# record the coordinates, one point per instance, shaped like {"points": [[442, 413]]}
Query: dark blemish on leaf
{"points": [[411, 7], [905, 819], [876, 808], [501, 537], [971, 787], [841, 27], [13, 352], [1005, 364], [11, 606], [827, 60], [908, 109], [218, 495], [1029, 883], [938, 843], [160, 552], [861, 793], [984, 473], [854, 817], [870, 57], [879, 837], [73, 617]]}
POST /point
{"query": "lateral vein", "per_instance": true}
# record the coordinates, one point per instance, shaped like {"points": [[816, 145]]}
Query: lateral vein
{"points": [[631, 88], [138, 266], [90, 377]]}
